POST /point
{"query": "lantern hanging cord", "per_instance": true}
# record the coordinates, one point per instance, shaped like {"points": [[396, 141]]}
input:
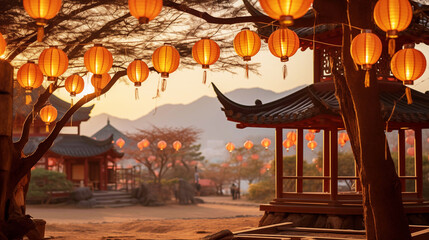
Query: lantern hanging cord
{"points": [[393, 110]]}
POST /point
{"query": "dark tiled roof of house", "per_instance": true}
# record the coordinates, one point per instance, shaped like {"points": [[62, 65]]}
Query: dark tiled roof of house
{"points": [[316, 106]]}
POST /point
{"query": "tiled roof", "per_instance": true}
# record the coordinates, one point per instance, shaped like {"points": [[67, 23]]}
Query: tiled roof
{"points": [[108, 131], [20, 107], [77, 146], [316, 106]]}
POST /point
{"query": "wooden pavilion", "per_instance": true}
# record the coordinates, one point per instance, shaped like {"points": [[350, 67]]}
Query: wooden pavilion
{"points": [[316, 107]]}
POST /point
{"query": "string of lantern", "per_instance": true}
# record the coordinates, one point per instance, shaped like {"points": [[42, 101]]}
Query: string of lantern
{"points": [[392, 16]]}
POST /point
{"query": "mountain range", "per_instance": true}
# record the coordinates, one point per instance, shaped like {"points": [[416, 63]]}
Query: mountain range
{"points": [[205, 114]]}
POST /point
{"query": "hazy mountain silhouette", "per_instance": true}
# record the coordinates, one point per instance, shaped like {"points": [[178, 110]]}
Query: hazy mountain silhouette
{"points": [[204, 113]]}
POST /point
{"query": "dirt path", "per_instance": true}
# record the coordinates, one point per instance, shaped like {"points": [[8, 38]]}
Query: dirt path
{"points": [[138, 222]]}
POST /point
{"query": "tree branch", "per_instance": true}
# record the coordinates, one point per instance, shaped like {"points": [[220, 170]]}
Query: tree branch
{"points": [[21, 168]]}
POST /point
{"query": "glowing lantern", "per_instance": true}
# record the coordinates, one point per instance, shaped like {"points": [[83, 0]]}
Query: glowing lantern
{"points": [[162, 145], [341, 141], [29, 77], [248, 144], [409, 132], [266, 143], [427, 140], [283, 43], [48, 114], [151, 158], [205, 52], [239, 158], [230, 146], [409, 140], [143, 144], [42, 11], [140, 145], [314, 130], [120, 142], [312, 145], [145, 10], [254, 156], [244, 164], [393, 16], [74, 84], [98, 60], [169, 165], [247, 44], [100, 83], [408, 65], [410, 151], [53, 62], [2, 45], [366, 50], [292, 136], [165, 60], [177, 145], [309, 136], [224, 165], [263, 171], [346, 137], [287, 144], [286, 10], [137, 72]]}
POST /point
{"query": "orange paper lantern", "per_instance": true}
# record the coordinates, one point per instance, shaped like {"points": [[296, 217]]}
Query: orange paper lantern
{"points": [[205, 52], [120, 142], [98, 60], [266, 143], [2, 45], [309, 136], [230, 146], [100, 83], [137, 72], [410, 151], [165, 60], [53, 62], [393, 16], [286, 10], [408, 64], [287, 144], [283, 43], [409, 140], [29, 77], [366, 50], [48, 114], [145, 10], [341, 141], [312, 145], [42, 11], [74, 84], [248, 144], [247, 44], [177, 145], [162, 145], [292, 136]]}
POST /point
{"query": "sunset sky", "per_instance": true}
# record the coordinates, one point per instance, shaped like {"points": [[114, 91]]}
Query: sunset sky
{"points": [[185, 85]]}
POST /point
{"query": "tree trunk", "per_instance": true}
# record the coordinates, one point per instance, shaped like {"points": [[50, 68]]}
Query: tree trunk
{"points": [[383, 211]]}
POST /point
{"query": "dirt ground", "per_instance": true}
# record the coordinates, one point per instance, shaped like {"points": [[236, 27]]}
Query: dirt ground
{"points": [[137, 222]]}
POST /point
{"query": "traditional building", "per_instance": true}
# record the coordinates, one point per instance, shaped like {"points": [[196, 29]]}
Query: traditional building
{"points": [[85, 161]]}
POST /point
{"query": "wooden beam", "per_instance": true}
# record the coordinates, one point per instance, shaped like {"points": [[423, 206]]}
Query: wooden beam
{"points": [[401, 156], [420, 235], [334, 163], [326, 160], [279, 162], [299, 159], [85, 173], [418, 152]]}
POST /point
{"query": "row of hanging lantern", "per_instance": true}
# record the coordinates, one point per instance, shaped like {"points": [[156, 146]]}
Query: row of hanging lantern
{"points": [[343, 138], [161, 145], [408, 64]]}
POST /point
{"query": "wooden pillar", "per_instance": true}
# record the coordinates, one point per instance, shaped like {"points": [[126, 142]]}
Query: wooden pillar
{"points": [[401, 156], [85, 173], [299, 159], [279, 162], [316, 65], [418, 152], [101, 175], [358, 185], [46, 163], [106, 173], [326, 160], [334, 163], [67, 164]]}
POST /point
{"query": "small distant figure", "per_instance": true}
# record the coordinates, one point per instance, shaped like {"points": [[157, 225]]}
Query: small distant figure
{"points": [[233, 190]]}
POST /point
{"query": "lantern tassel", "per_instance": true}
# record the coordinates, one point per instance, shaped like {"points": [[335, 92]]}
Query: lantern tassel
{"points": [[164, 85], [391, 47], [50, 88], [47, 127], [71, 102], [40, 33], [284, 72], [205, 77], [27, 99], [247, 71], [136, 94], [409, 97], [367, 79]]}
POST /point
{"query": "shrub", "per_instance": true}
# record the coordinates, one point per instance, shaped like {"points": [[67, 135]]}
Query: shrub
{"points": [[44, 182], [262, 191]]}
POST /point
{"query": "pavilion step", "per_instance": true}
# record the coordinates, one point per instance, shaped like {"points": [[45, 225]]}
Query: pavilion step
{"points": [[113, 199], [118, 205]]}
